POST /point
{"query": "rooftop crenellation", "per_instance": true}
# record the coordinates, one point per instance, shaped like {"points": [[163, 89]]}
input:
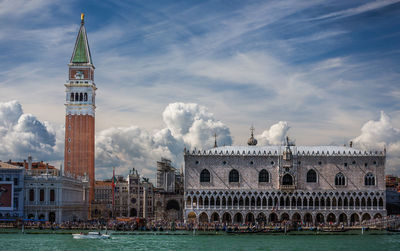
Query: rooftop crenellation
{"points": [[278, 150]]}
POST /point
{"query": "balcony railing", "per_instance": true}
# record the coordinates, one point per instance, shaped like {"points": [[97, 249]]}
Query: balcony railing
{"points": [[288, 187]]}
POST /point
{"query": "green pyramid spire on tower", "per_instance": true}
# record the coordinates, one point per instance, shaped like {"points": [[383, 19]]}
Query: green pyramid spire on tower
{"points": [[80, 55], [81, 52]]}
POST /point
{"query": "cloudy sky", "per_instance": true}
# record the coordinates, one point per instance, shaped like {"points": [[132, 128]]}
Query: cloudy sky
{"points": [[171, 73]]}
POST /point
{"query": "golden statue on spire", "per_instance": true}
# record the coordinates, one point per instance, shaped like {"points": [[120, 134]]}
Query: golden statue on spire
{"points": [[82, 17]]}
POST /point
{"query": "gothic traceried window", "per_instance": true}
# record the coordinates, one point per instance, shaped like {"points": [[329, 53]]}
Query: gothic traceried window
{"points": [[369, 179], [81, 97], [340, 180], [263, 176], [287, 180], [233, 176], [205, 176], [85, 97], [311, 176], [76, 96], [71, 97]]}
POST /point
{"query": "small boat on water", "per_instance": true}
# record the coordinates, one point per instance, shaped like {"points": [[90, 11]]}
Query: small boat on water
{"points": [[91, 235]]}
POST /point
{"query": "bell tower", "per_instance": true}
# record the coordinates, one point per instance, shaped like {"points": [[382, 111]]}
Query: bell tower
{"points": [[80, 112]]}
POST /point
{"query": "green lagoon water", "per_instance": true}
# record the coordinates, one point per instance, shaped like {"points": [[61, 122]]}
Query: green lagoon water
{"points": [[32, 242]]}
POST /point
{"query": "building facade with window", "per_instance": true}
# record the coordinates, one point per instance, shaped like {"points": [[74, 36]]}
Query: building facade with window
{"points": [[308, 184], [140, 194], [121, 198], [11, 191], [133, 197], [56, 198], [169, 192], [101, 207]]}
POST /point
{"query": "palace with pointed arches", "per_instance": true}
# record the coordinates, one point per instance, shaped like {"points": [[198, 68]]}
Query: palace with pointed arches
{"points": [[269, 184]]}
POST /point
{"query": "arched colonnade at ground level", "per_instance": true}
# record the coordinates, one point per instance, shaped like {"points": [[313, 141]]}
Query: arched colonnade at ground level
{"points": [[277, 201], [275, 217]]}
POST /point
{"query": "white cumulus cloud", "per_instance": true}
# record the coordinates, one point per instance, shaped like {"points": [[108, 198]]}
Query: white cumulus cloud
{"points": [[22, 134], [186, 125], [275, 135], [128, 147], [379, 134], [194, 125]]}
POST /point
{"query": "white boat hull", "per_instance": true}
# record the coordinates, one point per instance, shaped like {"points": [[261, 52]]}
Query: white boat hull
{"points": [[91, 236]]}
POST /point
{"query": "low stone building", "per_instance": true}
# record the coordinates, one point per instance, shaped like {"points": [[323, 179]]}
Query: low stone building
{"points": [[52, 196]]}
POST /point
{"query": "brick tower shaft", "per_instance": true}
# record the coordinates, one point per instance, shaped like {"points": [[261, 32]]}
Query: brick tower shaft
{"points": [[79, 154]]}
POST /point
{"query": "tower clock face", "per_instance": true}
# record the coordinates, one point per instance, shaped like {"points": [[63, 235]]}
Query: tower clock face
{"points": [[79, 75]]}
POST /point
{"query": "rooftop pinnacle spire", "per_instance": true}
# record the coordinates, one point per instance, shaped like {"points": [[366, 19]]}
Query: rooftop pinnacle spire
{"points": [[252, 141], [81, 53], [215, 140]]}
